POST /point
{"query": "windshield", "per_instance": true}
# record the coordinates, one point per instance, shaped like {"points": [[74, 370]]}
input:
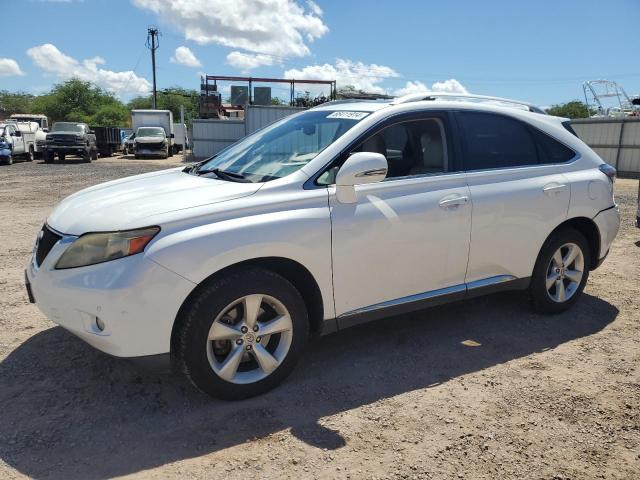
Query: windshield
{"points": [[68, 127], [284, 147], [150, 132]]}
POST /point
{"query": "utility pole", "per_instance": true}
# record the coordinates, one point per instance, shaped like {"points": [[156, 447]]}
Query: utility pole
{"points": [[153, 43]]}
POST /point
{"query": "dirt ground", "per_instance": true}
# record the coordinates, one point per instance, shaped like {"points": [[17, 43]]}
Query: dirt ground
{"points": [[407, 397]]}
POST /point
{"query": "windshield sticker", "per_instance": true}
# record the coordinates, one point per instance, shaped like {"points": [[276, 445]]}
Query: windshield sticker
{"points": [[348, 115]]}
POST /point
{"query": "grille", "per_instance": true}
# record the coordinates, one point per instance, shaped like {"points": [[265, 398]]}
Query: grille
{"points": [[63, 139], [150, 146], [45, 244]]}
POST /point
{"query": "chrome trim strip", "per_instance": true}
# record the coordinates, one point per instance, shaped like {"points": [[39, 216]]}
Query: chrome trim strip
{"points": [[485, 282], [411, 298], [372, 173]]}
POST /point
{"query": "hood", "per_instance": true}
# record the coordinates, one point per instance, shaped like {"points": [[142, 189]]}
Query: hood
{"points": [[150, 139], [128, 202]]}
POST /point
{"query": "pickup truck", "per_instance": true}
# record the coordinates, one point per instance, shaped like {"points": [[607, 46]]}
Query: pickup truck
{"points": [[70, 138], [152, 141], [41, 123], [17, 140]]}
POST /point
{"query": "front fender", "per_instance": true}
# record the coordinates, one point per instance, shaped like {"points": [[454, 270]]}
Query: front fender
{"points": [[302, 235]]}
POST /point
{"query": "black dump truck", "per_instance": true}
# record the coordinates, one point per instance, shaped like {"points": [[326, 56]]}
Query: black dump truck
{"points": [[108, 140]]}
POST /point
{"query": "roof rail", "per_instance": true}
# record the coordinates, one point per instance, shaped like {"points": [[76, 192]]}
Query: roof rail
{"points": [[417, 97]]}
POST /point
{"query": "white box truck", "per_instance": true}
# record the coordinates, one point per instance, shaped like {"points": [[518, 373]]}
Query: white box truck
{"points": [[146, 144]]}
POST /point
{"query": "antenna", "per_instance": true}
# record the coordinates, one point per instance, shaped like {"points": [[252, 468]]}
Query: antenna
{"points": [[153, 43]]}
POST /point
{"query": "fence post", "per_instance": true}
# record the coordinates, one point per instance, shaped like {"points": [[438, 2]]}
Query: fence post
{"points": [[620, 143]]}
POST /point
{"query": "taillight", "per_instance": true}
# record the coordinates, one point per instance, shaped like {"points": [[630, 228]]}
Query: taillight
{"points": [[609, 171]]}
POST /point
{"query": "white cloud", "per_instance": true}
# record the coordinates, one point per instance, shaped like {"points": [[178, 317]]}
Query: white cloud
{"points": [[9, 67], [448, 86], [280, 28], [347, 72], [184, 56], [248, 61], [53, 61]]}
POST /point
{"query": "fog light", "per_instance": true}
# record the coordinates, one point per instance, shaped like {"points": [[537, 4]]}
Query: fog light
{"points": [[100, 324]]}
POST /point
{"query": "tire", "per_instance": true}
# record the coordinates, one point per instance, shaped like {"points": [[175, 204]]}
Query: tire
{"points": [[124, 151], [49, 157], [202, 359], [8, 160], [136, 156], [30, 155], [61, 157], [166, 154], [551, 290], [93, 155]]}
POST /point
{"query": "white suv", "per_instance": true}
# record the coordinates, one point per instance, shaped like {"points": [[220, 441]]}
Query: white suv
{"points": [[338, 215]]}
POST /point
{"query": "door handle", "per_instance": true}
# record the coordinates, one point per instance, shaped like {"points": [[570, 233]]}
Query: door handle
{"points": [[453, 201], [554, 188]]}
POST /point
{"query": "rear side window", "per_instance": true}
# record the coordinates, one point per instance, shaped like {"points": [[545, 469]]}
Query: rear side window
{"points": [[496, 141], [552, 151]]}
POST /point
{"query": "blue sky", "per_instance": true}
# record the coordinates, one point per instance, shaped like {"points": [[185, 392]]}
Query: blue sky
{"points": [[539, 51]]}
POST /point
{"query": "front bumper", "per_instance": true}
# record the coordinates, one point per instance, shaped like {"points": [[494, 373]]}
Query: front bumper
{"points": [[151, 152], [67, 149], [136, 299]]}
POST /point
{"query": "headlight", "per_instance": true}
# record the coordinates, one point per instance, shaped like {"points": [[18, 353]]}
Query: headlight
{"points": [[95, 248]]}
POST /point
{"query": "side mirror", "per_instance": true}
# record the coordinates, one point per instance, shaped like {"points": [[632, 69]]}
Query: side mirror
{"points": [[173, 135], [45, 130], [359, 169], [17, 133], [92, 132]]}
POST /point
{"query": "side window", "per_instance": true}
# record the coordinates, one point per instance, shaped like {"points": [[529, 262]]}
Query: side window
{"points": [[496, 141], [552, 151], [412, 148]]}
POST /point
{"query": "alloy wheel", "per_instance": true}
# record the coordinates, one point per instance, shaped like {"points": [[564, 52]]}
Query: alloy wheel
{"points": [[565, 272], [249, 339]]}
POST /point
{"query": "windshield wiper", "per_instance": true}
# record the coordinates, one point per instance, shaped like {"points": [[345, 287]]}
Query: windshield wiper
{"points": [[231, 176]]}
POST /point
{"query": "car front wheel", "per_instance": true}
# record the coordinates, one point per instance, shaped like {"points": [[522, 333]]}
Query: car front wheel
{"points": [[242, 334], [561, 272]]}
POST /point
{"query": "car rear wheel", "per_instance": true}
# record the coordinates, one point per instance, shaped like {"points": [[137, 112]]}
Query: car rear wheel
{"points": [[242, 334], [561, 272]]}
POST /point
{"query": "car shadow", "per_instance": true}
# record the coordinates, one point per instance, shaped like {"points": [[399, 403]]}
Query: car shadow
{"points": [[69, 411]]}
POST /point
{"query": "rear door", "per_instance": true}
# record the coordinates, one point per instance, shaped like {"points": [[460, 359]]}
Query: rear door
{"points": [[517, 197]]}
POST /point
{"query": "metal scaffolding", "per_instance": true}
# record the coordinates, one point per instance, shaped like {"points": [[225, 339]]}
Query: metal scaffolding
{"points": [[211, 101]]}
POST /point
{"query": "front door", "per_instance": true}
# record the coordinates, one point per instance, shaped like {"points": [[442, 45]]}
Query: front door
{"points": [[407, 237]]}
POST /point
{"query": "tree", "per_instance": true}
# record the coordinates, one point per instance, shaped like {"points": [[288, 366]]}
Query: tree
{"points": [[573, 109], [171, 99], [79, 101], [111, 115], [15, 102]]}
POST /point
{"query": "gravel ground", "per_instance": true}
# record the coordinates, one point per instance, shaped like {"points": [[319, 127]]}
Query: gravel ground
{"points": [[479, 389]]}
